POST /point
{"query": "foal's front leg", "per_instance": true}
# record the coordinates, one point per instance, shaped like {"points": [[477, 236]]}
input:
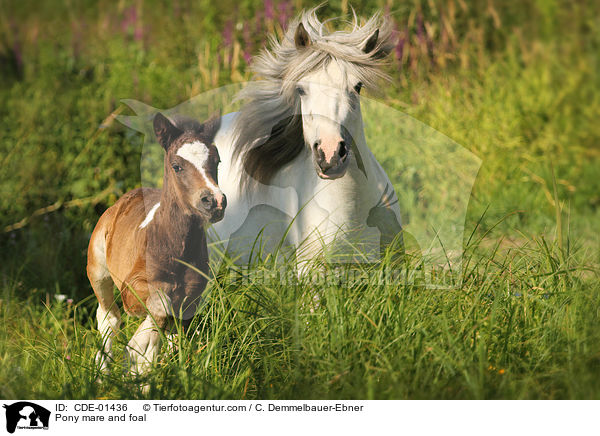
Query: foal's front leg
{"points": [[144, 346]]}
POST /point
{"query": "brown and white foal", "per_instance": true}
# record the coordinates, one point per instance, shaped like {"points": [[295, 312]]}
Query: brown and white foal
{"points": [[142, 242]]}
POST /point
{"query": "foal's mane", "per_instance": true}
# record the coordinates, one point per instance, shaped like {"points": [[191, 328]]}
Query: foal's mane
{"points": [[268, 129], [206, 130]]}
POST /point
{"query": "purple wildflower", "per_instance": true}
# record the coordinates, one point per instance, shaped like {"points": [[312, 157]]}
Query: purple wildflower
{"points": [[228, 34], [228, 39], [247, 43], [400, 47], [129, 20], [269, 13], [258, 21], [284, 9], [419, 27], [16, 48], [138, 34]]}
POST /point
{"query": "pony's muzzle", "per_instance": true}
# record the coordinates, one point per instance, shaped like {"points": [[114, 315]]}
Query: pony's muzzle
{"points": [[331, 161]]}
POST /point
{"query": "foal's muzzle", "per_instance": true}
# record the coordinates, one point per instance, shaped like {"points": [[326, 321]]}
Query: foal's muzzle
{"points": [[213, 205]]}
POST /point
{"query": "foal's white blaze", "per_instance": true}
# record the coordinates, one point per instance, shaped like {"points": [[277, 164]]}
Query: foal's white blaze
{"points": [[197, 154], [150, 216]]}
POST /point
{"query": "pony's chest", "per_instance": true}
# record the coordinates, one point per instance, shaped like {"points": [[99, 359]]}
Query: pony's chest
{"points": [[342, 201]]}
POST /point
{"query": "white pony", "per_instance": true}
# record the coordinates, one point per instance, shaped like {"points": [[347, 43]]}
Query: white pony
{"points": [[296, 167]]}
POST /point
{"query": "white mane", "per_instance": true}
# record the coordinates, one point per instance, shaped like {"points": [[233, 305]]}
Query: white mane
{"points": [[268, 130]]}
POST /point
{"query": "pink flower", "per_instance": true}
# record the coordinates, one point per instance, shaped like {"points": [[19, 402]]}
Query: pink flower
{"points": [[269, 9]]}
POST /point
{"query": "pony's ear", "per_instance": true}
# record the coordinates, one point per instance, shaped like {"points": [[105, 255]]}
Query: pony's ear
{"points": [[165, 131], [371, 42], [301, 37]]}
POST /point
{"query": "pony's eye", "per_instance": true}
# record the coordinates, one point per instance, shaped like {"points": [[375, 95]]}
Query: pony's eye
{"points": [[358, 87], [176, 168], [300, 90]]}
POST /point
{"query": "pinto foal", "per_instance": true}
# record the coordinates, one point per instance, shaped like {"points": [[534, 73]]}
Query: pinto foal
{"points": [[139, 242]]}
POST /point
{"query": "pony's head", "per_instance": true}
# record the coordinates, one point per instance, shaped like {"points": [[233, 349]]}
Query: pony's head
{"points": [[313, 79], [191, 162], [329, 93]]}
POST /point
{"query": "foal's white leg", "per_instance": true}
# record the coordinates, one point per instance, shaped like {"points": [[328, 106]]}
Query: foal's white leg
{"points": [[144, 346], [109, 322], [108, 314], [172, 343]]}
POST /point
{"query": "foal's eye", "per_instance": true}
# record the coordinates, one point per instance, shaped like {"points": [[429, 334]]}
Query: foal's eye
{"points": [[300, 90], [358, 87], [176, 168]]}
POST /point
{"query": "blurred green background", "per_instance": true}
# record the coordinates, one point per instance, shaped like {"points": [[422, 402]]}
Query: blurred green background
{"points": [[514, 82]]}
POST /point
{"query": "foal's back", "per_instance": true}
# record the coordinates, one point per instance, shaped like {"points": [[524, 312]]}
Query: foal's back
{"points": [[122, 236]]}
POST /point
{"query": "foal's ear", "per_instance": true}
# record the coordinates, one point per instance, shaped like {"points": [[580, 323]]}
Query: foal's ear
{"points": [[212, 125], [301, 37], [371, 42], [165, 131]]}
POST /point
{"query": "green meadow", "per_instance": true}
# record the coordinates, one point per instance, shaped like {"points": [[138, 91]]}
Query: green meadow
{"points": [[513, 82]]}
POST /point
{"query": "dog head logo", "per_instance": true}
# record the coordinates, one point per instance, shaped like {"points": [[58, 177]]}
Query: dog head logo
{"points": [[26, 415]]}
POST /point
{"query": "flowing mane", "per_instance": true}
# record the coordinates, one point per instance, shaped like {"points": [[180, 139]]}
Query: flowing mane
{"points": [[268, 130]]}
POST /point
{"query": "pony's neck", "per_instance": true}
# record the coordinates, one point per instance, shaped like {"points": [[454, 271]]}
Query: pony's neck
{"points": [[362, 154], [358, 133]]}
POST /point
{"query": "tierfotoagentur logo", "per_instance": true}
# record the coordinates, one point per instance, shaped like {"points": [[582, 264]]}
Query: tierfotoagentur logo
{"points": [[26, 416]]}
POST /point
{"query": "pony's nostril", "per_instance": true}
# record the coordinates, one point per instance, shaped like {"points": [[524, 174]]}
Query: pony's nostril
{"points": [[316, 144], [343, 150], [224, 202], [208, 200]]}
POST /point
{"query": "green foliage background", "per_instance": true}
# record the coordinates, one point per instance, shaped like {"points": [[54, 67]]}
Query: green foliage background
{"points": [[515, 82]]}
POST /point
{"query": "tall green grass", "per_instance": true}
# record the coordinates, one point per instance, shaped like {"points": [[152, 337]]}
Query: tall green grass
{"points": [[522, 325], [515, 84]]}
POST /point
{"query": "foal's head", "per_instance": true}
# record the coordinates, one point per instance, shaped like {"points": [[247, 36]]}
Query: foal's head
{"points": [[191, 162]]}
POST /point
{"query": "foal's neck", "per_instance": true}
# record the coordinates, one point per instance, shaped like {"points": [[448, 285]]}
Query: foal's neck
{"points": [[178, 233]]}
